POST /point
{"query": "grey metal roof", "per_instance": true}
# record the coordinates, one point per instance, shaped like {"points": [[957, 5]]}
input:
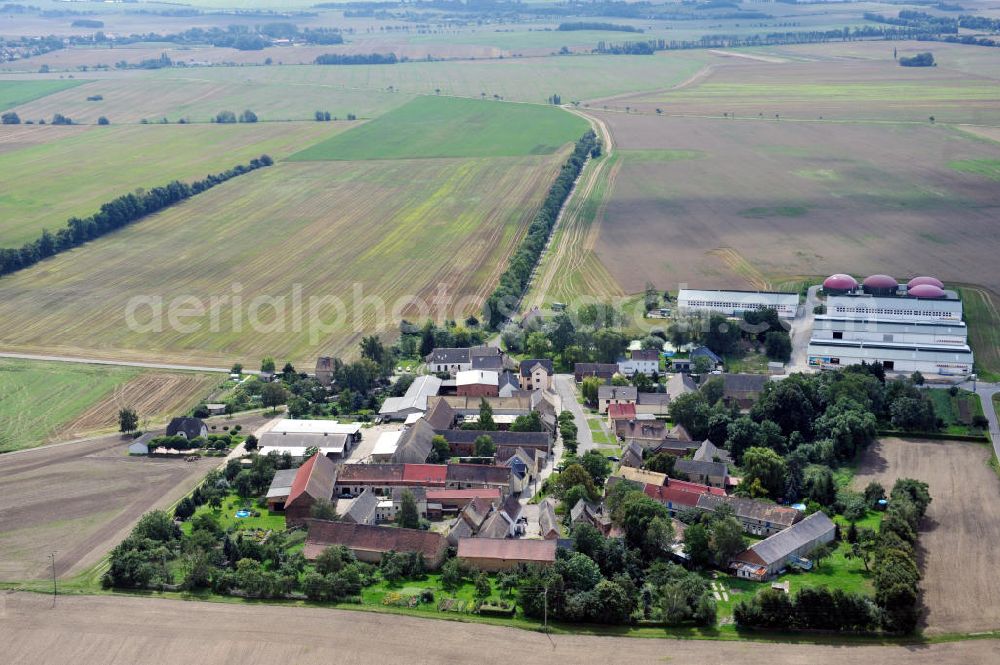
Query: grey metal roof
{"points": [[783, 543], [298, 440], [752, 509], [416, 396], [883, 351]]}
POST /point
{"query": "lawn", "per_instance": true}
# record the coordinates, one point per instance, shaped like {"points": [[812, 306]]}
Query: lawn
{"points": [[36, 398], [948, 408], [15, 93], [598, 432], [45, 186], [335, 233], [226, 516], [452, 127]]}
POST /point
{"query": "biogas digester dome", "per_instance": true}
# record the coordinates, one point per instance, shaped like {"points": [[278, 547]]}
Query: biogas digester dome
{"points": [[926, 291], [917, 281], [880, 285], [839, 283]]}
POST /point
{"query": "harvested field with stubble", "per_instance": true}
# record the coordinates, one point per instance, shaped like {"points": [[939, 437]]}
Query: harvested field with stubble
{"points": [[121, 630], [958, 537], [733, 203], [39, 160], [197, 96], [51, 401], [389, 229], [154, 396]]}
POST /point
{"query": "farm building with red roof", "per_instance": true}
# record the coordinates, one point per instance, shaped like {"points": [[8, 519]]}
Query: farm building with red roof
{"points": [[314, 481], [369, 543]]}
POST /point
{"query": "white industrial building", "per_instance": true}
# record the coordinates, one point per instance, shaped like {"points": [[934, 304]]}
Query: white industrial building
{"points": [[912, 327], [952, 333], [735, 303], [902, 358], [901, 307]]}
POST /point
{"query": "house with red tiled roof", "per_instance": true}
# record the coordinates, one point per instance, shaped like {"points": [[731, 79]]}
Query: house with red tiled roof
{"points": [[619, 412], [453, 501], [314, 481], [426, 475], [678, 495], [369, 543]]}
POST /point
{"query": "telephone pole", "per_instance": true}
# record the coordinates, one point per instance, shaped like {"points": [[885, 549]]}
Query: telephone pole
{"points": [[55, 586]]}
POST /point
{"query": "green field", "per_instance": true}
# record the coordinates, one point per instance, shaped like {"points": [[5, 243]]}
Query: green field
{"points": [[114, 165], [453, 127], [37, 397], [15, 93], [989, 168]]}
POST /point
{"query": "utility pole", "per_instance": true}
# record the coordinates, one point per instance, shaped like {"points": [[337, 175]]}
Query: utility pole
{"points": [[545, 609], [55, 587]]}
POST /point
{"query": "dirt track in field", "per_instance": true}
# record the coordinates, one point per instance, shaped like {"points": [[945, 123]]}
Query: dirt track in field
{"points": [[111, 630], [957, 544], [80, 499]]}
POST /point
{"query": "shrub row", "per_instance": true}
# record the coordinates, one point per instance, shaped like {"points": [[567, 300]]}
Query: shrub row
{"points": [[114, 215], [502, 302]]}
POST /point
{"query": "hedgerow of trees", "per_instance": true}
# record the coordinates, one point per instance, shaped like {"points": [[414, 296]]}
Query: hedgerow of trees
{"points": [[114, 215], [502, 302]]}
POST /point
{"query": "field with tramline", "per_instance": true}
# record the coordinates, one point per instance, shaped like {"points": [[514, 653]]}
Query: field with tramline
{"points": [[393, 228], [197, 98], [37, 161], [39, 400]]}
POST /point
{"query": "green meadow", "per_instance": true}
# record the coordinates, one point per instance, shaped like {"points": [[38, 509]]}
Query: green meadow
{"points": [[453, 127], [37, 397]]}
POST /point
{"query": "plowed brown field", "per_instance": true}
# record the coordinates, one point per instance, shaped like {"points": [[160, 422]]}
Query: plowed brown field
{"points": [[958, 537]]}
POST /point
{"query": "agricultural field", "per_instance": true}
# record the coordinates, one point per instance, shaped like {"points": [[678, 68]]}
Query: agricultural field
{"points": [[742, 203], [431, 127], [513, 79], [38, 161], [42, 401], [876, 89], [346, 230], [295, 92], [15, 93], [80, 500], [184, 632], [129, 97], [982, 314], [956, 556]]}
